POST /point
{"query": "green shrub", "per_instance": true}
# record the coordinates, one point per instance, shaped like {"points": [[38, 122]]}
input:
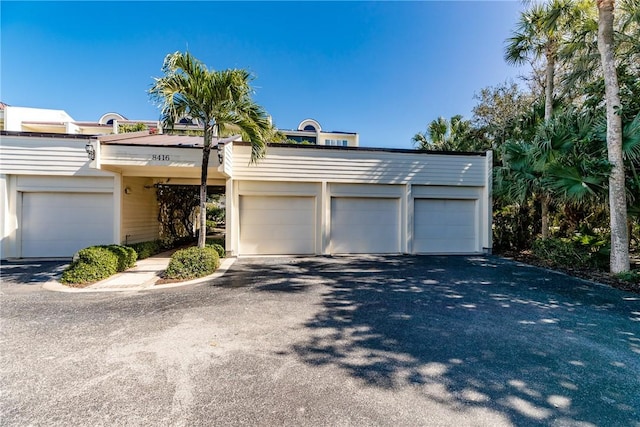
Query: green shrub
{"points": [[211, 225], [580, 251], [90, 265], [215, 213], [218, 248], [192, 262], [215, 241], [127, 256], [630, 276], [147, 249]]}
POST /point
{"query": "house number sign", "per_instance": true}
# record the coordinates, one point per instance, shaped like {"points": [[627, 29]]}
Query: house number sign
{"points": [[161, 157]]}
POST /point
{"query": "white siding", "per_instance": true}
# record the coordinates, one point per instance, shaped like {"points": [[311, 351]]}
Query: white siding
{"points": [[139, 210], [64, 183], [360, 166], [228, 160], [132, 155], [30, 155]]}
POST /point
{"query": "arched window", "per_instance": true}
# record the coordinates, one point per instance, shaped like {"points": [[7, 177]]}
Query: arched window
{"points": [[310, 128]]}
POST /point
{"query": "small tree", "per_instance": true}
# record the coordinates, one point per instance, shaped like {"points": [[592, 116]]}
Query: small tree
{"points": [[220, 101]]}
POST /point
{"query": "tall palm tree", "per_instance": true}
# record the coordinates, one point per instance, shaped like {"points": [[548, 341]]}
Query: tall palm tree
{"points": [[220, 101], [617, 197], [538, 35]]}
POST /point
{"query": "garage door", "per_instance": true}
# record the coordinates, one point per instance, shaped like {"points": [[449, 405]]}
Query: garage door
{"points": [[444, 226], [59, 224], [277, 225], [361, 225]]}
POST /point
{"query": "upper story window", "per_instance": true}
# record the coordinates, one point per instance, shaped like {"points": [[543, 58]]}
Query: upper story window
{"points": [[336, 142], [310, 128]]}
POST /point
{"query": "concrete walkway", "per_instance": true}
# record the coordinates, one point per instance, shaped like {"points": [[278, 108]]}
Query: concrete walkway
{"points": [[144, 276]]}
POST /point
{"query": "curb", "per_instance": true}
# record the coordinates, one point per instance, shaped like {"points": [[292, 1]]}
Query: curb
{"points": [[55, 286]]}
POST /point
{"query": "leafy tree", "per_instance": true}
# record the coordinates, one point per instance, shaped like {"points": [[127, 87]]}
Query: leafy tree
{"points": [[220, 101], [500, 112], [132, 128]]}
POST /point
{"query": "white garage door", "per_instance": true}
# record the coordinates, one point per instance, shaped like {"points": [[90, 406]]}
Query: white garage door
{"points": [[444, 226], [363, 225], [59, 224], [277, 225]]}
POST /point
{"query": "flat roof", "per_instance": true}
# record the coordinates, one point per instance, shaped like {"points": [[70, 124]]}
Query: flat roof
{"points": [[47, 134], [374, 149], [188, 141], [161, 140]]}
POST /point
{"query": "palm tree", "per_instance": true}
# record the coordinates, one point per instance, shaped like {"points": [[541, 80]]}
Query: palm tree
{"points": [[538, 35], [617, 197], [220, 101], [455, 134]]}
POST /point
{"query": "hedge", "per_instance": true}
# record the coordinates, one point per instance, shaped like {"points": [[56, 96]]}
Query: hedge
{"points": [[192, 263], [98, 262], [147, 249]]}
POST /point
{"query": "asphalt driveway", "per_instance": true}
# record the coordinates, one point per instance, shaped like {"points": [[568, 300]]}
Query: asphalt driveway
{"points": [[400, 340]]}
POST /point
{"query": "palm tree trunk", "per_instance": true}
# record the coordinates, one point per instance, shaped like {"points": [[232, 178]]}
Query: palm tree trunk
{"points": [[544, 213], [549, 85], [548, 113], [206, 151], [619, 261]]}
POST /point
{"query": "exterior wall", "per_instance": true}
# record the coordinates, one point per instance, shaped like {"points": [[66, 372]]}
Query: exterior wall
{"points": [[13, 186], [131, 155], [139, 210], [324, 191], [325, 173], [352, 139], [35, 155], [47, 164], [253, 188], [14, 116], [356, 166]]}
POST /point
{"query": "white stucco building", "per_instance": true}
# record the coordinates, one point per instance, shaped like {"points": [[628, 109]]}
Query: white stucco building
{"points": [[300, 199]]}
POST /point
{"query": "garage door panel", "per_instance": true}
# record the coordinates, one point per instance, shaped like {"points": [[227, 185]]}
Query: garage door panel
{"points": [[365, 225], [60, 224], [277, 225], [445, 226]]}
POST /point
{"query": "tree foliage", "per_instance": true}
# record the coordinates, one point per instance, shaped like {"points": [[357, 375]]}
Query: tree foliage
{"points": [[220, 101], [551, 147]]}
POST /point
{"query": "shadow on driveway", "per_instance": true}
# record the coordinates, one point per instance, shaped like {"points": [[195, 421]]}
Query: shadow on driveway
{"points": [[539, 347], [31, 272]]}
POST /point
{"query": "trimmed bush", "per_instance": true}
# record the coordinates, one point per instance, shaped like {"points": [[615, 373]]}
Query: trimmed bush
{"points": [[147, 249], [127, 256], [192, 263], [219, 249], [98, 262], [91, 264]]}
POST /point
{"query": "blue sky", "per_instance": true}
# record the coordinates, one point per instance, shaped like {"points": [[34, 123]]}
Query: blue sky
{"points": [[383, 69]]}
